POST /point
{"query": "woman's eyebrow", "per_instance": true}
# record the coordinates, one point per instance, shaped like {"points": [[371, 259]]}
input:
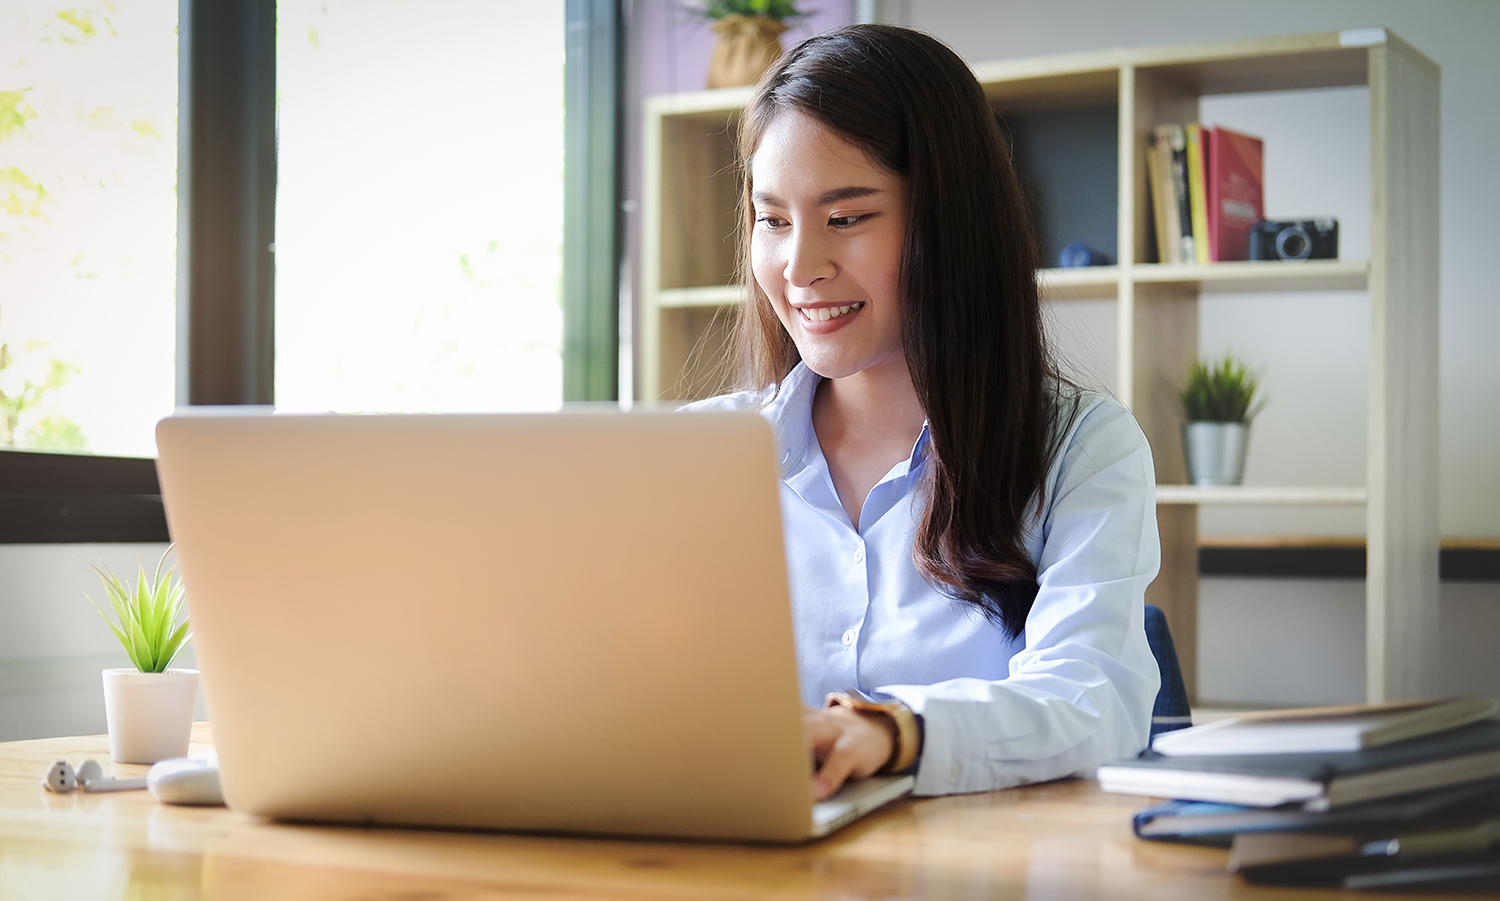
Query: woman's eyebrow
{"points": [[837, 195]]}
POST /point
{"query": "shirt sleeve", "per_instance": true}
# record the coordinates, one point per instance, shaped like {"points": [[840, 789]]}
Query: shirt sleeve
{"points": [[1081, 690]]}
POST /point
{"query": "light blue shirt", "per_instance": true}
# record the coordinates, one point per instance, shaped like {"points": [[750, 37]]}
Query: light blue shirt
{"points": [[1075, 689]]}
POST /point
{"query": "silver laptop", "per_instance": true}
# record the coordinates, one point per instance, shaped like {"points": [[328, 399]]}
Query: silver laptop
{"points": [[569, 622]]}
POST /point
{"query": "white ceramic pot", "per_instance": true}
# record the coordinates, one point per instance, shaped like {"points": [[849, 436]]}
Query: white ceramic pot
{"points": [[150, 715], [1215, 452]]}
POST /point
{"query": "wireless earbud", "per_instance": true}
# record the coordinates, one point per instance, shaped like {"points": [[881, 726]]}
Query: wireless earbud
{"points": [[63, 779], [89, 771], [60, 778]]}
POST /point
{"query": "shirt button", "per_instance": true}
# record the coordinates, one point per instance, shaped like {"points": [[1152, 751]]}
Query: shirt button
{"points": [[859, 555], [848, 638]]}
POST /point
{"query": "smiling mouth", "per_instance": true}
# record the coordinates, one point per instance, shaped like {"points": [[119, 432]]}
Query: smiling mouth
{"points": [[823, 314]]}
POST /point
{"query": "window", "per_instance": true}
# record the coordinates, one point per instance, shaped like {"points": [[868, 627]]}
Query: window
{"points": [[419, 206], [88, 224], [422, 217]]}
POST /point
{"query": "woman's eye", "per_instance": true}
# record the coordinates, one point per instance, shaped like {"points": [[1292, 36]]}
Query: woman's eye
{"points": [[846, 221], [769, 221]]}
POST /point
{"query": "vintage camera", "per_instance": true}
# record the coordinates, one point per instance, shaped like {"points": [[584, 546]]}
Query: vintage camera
{"points": [[1303, 239]]}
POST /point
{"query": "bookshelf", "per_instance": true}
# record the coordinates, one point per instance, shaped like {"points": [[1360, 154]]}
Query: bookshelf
{"points": [[690, 196]]}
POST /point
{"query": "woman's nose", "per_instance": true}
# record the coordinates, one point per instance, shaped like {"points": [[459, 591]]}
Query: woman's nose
{"points": [[807, 259]]}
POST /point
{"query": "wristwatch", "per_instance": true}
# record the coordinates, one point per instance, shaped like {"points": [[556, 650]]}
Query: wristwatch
{"points": [[908, 733]]}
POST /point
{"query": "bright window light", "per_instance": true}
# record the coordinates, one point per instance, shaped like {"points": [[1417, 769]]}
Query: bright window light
{"points": [[419, 205], [88, 223]]}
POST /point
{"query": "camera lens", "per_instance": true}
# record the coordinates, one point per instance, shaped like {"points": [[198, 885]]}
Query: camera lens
{"points": [[1293, 244]]}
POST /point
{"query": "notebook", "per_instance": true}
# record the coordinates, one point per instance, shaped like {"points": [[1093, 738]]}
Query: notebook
{"points": [[1316, 781], [1325, 729], [1206, 822], [567, 623]]}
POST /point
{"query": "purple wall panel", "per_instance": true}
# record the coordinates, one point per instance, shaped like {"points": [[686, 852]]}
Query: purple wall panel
{"points": [[673, 43]]}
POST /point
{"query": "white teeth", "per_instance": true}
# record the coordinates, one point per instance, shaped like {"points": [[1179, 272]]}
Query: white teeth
{"points": [[823, 314]]}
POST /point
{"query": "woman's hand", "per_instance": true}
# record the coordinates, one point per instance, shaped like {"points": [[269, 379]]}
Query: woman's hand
{"points": [[846, 744]]}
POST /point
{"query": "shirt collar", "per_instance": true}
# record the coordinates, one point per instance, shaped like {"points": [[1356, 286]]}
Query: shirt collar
{"points": [[789, 411]]}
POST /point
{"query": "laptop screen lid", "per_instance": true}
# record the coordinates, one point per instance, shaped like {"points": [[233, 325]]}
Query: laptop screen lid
{"points": [[572, 622]]}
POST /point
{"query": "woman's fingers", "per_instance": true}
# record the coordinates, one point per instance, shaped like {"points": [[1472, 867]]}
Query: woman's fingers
{"points": [[845, 744], [838, 766]]}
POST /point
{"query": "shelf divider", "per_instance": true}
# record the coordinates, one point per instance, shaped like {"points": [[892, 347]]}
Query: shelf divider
{"points": [[1080, 283], [1261, 275], [706, 296], [1264, 495]]}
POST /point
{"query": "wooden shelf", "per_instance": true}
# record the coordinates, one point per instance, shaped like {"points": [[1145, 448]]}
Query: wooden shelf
{"points": [[1272, 275], [720, 100], [1101, 106], [711, 296], [1082, 283], [1263, 495]]}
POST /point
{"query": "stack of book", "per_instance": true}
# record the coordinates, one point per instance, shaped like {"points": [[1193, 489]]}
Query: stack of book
{"points": [[1206, 192], [1358, 796]]}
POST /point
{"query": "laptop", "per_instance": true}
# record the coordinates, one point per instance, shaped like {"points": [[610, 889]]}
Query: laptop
{"points": [[571, 622]]}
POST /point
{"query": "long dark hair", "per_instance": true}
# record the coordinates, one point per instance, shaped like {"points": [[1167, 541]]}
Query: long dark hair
{"points": [[971, 322]]}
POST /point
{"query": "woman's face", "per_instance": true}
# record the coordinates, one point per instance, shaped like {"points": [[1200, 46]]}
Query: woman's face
{"points": [[826, 247]]}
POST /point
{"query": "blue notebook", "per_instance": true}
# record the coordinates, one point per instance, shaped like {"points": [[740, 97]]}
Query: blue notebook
{"points": [[1204, 822]]}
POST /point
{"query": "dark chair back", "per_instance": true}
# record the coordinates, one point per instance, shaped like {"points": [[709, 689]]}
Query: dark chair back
{"points": [[1171, 710]]}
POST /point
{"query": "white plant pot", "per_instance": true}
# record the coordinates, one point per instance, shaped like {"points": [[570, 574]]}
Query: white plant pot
{"points": [[1215, 452], [150, 715]]}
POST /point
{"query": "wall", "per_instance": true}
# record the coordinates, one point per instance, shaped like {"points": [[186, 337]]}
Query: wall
{"points": [[52, 642], [1289, 642]]}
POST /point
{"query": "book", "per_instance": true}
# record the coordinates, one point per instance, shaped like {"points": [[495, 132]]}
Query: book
{"points": [[1455, 837], [1164, 208], [1177, 140], [1325, 729], [1235, 178], [1197, 170], [1441, 853], [1203, 822], [1315, 781]]}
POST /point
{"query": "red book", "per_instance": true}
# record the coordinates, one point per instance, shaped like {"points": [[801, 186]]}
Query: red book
{"points": [[1236, 168]]}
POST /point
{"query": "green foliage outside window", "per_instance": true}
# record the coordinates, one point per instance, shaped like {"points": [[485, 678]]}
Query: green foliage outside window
{"points": [[20, 397]]}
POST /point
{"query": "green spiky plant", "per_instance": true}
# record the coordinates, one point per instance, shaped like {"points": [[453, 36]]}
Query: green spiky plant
{"points": [[1222, 391], [147, 616], [779, 10]]}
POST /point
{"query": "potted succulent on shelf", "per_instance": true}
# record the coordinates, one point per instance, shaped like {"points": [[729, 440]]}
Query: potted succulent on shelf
{"points": [[749, 38], [1218, 403], [149, 707]]}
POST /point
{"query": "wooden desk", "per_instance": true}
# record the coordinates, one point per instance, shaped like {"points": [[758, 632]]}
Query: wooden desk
{"points": [[1064, 840]]}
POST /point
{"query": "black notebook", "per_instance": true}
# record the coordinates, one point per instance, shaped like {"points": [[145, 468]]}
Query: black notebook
{"points": [[1315, 781], [1210, 823]]}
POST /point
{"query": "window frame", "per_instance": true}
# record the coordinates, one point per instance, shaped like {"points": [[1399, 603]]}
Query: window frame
{"points": [[593, 220]]}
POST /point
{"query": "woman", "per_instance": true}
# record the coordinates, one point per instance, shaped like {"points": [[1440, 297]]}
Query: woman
{"points": [[969, 537]]}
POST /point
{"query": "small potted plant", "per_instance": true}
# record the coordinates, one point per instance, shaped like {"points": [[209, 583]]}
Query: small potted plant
{"points": [[1218, 403], [149, 707], [749, 38]]}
